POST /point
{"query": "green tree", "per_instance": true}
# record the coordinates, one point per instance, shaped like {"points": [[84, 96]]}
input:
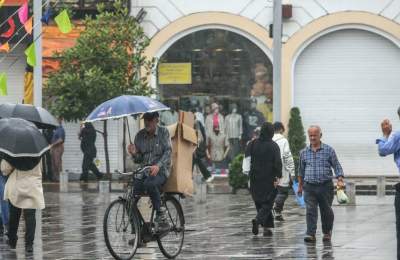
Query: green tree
{"points": [[296, 135], [107, 61]]}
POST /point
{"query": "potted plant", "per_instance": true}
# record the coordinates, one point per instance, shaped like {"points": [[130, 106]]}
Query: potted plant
{"points": [[237, 180]]}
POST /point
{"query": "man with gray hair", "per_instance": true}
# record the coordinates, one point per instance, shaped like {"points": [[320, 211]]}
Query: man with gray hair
{"points": [[390, 144], [315, 175]]}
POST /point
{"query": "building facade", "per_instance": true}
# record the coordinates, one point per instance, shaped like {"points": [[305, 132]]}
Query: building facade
{"points": [[340, 63], [340, 66]]}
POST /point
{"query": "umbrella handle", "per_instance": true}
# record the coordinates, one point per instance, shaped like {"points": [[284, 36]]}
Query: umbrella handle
{"points": [[129, 132]]}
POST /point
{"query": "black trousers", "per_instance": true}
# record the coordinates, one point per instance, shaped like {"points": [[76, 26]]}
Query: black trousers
{"points": [[30, 224], [264, 210], [397, 210], [48, 170], [89, 165], [202, 164]]}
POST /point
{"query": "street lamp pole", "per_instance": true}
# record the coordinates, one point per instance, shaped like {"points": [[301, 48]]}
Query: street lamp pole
{"points": [[277, 57], [37, 70]]}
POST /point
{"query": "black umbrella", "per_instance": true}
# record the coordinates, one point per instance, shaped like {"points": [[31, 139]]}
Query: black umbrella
{"points": [[20, 138], [37, 115]]}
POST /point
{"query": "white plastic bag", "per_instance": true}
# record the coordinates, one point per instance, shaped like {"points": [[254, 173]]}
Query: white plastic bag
{"points": [[341, 196], [246, 165]]}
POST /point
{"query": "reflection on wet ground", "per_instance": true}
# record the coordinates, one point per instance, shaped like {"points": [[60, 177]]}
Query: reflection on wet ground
{"points": [[71, 228]]}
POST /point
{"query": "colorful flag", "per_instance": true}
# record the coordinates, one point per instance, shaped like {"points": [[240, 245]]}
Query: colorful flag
{"points": [[31, 55], [5, 47], [28, 85], [46, 16], [3, 84], [29, 25], [11, 30], [23, 12], [63, 22], [2, 2]]}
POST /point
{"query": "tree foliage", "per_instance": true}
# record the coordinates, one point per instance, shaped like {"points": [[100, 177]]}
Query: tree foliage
{"points": [[296, 135], [237, 180], [107, 61]]}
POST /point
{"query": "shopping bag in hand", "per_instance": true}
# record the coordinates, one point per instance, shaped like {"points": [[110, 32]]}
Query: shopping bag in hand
{"points": [[299, 199], [341, 196]]}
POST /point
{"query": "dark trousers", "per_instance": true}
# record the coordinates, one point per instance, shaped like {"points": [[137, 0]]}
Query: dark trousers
{"points": [[397, 210], [151, 185], [319, 195], [48, 170], [264, 210], [283, 193], [89, 165], [30, 224], [202, 164]]}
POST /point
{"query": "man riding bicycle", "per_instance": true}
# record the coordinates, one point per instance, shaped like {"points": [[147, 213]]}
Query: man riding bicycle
{"points": [[152, 147]]}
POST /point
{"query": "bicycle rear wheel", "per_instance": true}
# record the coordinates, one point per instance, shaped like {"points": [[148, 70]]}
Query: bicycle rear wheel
{"points": [[171, 242], [121, 230]]}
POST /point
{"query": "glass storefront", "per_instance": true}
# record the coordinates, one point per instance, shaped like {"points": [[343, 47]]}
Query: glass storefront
{"points": [[226, 80]]}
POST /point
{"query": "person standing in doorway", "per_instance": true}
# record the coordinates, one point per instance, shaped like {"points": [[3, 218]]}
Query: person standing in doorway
{"points": [[287, 169], [315, 177], [388, 144], [87, 136], [57, 149], [265, 169]]}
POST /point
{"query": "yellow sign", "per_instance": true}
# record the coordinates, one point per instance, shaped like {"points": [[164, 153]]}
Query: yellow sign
{"points": [[175, 73]]}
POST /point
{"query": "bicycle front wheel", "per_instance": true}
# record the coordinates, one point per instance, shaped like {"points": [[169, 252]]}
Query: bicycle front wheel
{"points": [[121, 230], [171, 242]]}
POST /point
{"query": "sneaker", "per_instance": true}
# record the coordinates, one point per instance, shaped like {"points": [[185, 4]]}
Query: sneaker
{"points": [[309, 239], [210, 179], [255, 227], [161, 220], [327, 237], [267, 232], [29, 248]]}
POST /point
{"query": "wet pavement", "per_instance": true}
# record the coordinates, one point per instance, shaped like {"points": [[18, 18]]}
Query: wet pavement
{"points": [[71, 228]]}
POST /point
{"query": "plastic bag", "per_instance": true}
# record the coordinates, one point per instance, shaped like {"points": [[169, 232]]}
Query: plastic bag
{"points": [[341, 196], [246, 165], [299, 199]]}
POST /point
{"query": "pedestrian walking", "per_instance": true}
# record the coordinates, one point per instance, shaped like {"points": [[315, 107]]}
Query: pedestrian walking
{"points": [[4, 219], [265, 168], [25, 194], [87, 136], [200, 154], [388, 144], [315, 178], [287, 169], [57, 149]]}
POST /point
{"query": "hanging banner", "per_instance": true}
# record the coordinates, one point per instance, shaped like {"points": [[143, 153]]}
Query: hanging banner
{"points": [[175, 73]]}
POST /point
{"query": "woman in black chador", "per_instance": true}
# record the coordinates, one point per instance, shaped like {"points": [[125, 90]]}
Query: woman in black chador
{"points": [[88, 147], [265, 169]]}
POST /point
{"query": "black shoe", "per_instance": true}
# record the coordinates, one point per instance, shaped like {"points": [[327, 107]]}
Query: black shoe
{"points": [[12, 244], [255, 227], [310, 239], [29, 248], [279, 218], [141, 244], [267, 232]]}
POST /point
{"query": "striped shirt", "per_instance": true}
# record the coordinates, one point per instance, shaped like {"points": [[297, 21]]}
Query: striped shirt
{"points": [[154, 149], [316, 167], [233, 126]]}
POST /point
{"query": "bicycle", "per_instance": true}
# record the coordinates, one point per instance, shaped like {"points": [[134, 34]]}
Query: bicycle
{"points": [[125, 229]]}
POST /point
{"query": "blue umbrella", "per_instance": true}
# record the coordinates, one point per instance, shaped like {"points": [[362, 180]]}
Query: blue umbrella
{"points": [[124, 106]]}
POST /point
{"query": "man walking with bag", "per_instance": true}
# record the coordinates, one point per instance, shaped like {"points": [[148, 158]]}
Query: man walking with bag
{"points": [[390, 144], [315, 177]]}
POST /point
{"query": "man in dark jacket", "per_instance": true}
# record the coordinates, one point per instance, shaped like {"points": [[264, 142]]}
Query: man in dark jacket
{"points": [[265, 169], [88, 147]]}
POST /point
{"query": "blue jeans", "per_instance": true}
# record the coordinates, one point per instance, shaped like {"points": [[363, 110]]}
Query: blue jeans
{"points": [[319, 195], [5, 212]]}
